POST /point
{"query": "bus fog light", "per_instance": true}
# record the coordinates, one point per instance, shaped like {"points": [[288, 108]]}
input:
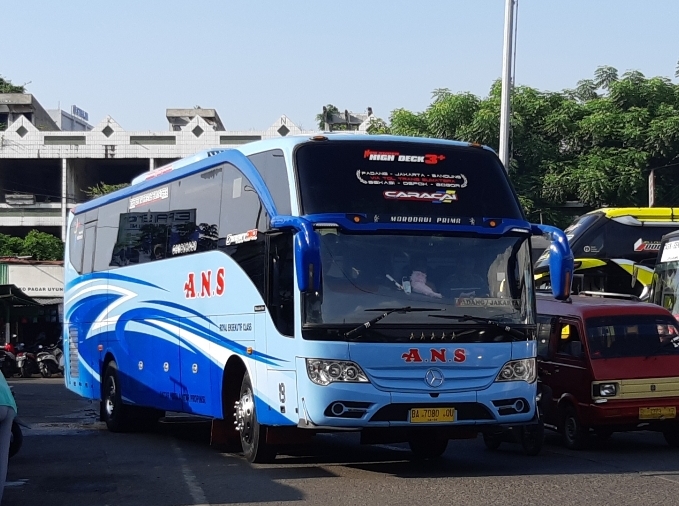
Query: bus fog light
{"points": [[324, 372], [518, 370]]}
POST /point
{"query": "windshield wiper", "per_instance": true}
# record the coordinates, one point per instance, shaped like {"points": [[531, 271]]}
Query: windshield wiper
{"points": [[486, 321], [387, 311]]}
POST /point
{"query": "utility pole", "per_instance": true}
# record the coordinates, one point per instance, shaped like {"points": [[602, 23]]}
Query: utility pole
{"points": [[506, 83], [651, 188]]}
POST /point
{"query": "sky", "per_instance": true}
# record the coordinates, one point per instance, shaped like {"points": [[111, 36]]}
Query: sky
{"points": [[254, 60]]}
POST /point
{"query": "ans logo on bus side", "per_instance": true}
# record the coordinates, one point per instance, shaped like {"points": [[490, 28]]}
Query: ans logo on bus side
{"points": [[435, 355], [209, 286]]}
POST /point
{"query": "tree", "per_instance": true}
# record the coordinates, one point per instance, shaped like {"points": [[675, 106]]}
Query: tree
{"points": [[42, 246], [594, 144], [103, 189], [6, 86], [328, 112], [10, 246]]}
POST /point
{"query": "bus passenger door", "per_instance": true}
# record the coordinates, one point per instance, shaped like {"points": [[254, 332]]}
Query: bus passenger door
{"points": [[280, 325], [87, 341], [196, 366]]}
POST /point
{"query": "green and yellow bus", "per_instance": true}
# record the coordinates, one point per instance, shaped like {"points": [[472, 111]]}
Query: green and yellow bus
{"points": [[615, 249]]}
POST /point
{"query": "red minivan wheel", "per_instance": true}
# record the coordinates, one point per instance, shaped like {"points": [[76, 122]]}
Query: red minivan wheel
{"points": [[575, 435]]}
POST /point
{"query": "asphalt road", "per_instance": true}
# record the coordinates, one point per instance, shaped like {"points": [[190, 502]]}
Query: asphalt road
{"points": [[68, 458]]}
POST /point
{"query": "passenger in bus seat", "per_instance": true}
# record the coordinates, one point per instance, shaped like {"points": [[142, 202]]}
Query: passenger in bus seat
{"points": [[418, 280]]}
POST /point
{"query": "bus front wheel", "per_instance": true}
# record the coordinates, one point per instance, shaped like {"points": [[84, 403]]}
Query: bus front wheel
{"points": [[252, 434]]}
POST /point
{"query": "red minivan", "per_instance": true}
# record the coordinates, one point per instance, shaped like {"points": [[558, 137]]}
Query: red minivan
{"points": [[608, 365]]}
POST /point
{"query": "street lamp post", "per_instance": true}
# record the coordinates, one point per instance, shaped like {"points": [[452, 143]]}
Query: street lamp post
{"points": [[506, 83]]}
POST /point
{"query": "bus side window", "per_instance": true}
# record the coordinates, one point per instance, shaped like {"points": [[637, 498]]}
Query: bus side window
{"points": [[274, 171], [143, 230], [195, 206], [281, 299], [90, 242], [107, 234], [243, 219], [76, 243]]}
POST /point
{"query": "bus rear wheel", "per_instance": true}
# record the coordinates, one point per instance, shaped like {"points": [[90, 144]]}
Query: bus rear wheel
{"points": [[113, 411], [252, 434]]}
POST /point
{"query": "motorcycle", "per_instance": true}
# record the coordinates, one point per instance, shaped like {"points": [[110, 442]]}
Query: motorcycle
{"points": [[8, 360], [26, 362], [51, 360]]}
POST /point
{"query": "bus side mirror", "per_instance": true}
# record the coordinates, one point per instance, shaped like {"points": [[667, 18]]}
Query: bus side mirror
{"points": [[560, 261], [307, 251]]}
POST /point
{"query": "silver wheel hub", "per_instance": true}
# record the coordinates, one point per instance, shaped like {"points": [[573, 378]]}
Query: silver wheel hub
{"points": [[244, 416], [110, 399], [570, 428]]}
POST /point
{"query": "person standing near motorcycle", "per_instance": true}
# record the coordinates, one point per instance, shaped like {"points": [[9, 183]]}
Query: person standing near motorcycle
{"points": [[8, 410]]}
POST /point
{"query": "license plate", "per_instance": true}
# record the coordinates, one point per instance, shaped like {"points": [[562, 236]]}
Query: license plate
{"points": [[657, 413], [429, 415]]}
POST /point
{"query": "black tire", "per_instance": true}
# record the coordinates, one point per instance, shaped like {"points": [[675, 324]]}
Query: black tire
{"points": [[424, 448], [113, 412], [672, 436], [575, 435], [532, 438], [25, 371], [492, 441], [16, 440], [252, 434], [45, 372]]}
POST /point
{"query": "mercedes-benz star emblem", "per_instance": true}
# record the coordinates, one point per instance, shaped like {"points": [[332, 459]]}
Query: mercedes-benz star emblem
{"points": [[434, 378]]}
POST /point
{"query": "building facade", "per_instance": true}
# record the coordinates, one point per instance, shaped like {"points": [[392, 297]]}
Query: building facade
{"points": [[45, 172]]}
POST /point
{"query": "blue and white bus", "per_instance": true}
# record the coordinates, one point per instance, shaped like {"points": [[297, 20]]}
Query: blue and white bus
{"points": [[301, 285]]}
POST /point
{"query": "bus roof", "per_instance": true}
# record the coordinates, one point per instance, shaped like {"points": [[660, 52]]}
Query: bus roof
{"points": [[204, 159], [640, 213]]}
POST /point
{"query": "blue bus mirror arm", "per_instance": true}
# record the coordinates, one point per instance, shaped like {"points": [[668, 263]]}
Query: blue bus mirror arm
{"points": [[560, 260], [307, 251]]}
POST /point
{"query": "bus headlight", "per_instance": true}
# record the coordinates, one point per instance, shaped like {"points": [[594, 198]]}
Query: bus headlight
{"points": [[323, 372], [518, 370], [605, 390]]}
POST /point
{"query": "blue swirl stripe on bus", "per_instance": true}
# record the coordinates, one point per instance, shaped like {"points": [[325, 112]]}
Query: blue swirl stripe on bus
{"points": [[149, 314], [109, 276], [88, 310], [174, 305], [84, 311]]}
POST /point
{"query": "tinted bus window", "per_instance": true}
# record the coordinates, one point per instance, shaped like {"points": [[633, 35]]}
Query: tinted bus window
{"points": [[398, 179], [143, 230], [243, 218], [76, 243], [196, 198], [271, 166], [107, 233]]}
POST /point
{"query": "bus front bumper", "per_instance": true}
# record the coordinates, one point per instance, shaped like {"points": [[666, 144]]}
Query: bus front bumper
{"points": [[356, 406]]}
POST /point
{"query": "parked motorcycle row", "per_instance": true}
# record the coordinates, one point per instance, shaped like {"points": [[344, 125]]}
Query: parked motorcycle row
{"points": [[46, 360]]}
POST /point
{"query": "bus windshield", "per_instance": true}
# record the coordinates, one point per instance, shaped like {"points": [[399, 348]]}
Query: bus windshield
{"points": [[631, 336], [365, 274]]}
